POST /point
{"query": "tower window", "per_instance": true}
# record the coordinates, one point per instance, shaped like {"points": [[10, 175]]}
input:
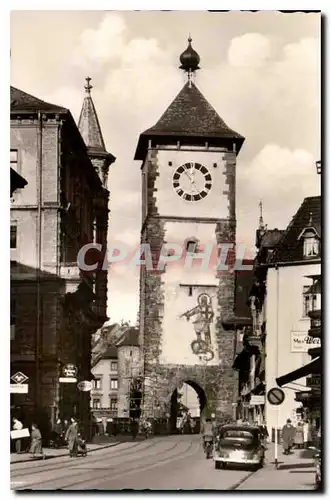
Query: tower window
{"points": [[191, 246]]}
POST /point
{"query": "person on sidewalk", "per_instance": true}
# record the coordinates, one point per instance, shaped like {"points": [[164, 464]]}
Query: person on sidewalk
{"points": [[299, 437], [72, 438], [36, 448], [18, 426], [305, 433], [288, 433]]}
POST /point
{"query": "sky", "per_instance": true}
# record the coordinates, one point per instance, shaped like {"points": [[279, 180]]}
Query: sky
{"points": [[260, 71]]}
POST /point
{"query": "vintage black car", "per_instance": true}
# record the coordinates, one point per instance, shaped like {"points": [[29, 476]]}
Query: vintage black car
{"points": [[239, 444]]}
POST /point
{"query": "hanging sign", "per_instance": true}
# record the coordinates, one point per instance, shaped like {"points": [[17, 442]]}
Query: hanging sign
{"points": [[19, 378], [69, 373], [85, 386]]}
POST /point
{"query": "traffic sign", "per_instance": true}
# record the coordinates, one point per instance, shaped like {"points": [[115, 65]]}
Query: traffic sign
{"points": [[19, 378], [84, 386], [276, 396]]}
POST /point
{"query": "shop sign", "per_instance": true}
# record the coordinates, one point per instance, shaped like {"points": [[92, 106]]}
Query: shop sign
{"points": [[19, 388], [301, 342], [85, 386], [257, 400], [314, 381], [69, 371]]}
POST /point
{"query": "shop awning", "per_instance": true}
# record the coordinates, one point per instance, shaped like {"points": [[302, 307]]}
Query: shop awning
{"points": [[312, 368]]}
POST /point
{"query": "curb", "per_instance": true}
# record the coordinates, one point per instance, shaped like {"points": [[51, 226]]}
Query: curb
{"points": [[48, 457]]}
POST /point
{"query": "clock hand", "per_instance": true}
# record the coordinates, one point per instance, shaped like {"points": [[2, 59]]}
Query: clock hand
{"points": [[188, 175]]}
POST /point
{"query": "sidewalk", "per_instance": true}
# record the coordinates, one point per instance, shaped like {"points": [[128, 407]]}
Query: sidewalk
{"points": [[294, 473], [54, 453]]}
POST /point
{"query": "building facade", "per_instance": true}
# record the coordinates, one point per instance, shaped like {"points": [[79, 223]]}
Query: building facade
{"points": [[250, 361], [188, 202], [290, 298], [56, 306], [115, 370], [104, 395]]}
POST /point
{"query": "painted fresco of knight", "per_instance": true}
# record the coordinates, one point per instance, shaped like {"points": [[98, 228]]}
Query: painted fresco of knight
{"points": [[203, 315]]}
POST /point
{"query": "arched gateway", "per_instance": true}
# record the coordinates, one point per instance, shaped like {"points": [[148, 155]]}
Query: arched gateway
{"points": [[188, 229]]}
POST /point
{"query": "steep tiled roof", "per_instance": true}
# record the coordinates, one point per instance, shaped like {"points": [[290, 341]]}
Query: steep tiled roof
{"points": [[189, 115], [289, 248], [21, 102], [111, 353], [130, 338], [271, 238]]}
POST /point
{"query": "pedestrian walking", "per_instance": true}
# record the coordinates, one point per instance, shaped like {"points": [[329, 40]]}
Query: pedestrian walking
{"points": [[305, 428], [36, 448], [288, 433], [299, 436], [56, 433], [72, 438], [18, 426]]}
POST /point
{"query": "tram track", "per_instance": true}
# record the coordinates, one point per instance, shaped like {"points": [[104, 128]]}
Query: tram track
{"points": [[39, 466], [140, 468], [125, 468]]}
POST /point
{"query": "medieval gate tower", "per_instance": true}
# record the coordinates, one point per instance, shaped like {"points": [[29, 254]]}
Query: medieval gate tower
{"points": [[188, 202]]}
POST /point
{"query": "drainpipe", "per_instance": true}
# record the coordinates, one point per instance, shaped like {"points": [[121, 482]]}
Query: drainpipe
{"points": [[39, 255]]}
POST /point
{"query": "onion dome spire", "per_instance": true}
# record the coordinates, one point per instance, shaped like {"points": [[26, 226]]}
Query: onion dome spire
{"points": [[189, 60]]}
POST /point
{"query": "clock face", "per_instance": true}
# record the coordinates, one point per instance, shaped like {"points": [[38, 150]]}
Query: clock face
{"points": [[192, 181]]}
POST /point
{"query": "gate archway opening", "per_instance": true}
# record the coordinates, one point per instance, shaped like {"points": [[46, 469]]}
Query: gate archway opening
{"points": [[190, 399]]}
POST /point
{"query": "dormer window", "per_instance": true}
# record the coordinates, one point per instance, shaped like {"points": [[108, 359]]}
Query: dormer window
{"points": [[311, 240], [310, 246]]}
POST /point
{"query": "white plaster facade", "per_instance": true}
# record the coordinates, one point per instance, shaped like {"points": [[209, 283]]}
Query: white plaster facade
{"points": [[106, 371], [285, 319]]}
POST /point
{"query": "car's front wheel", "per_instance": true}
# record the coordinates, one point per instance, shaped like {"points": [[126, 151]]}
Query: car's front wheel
{"points": [[218, 465]]}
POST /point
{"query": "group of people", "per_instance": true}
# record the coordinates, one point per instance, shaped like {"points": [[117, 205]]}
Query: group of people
{"points": [[300, 436], [69, 433], [35, 448]]}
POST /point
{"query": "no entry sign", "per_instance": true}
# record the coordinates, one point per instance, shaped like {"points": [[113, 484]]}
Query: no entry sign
{"points": [[275, 396]]}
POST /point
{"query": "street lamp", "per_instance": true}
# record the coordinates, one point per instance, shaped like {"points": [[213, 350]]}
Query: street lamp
{"points": [[319, 167]]}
